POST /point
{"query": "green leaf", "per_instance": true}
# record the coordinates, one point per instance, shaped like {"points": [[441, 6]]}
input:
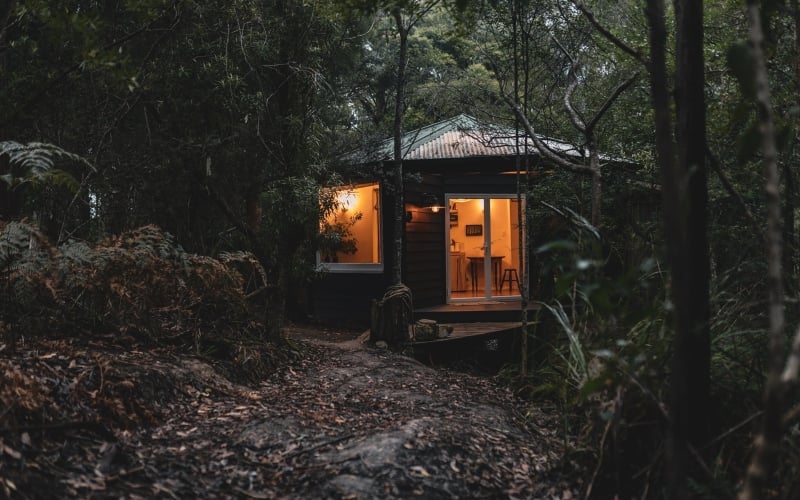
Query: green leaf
{"points": [[557, 245]]}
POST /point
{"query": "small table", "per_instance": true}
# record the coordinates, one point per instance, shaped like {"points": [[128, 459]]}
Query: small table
{"points": [[476, 263]]}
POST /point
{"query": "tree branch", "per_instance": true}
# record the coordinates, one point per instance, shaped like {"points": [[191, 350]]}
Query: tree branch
{"points": [[64, 74], [610, 36], [575, 117], [540, 145], [622, 87], [726, 184]]}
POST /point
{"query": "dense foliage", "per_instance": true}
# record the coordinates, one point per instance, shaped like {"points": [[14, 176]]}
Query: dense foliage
{"points": [[140, 284], [217, 122]]}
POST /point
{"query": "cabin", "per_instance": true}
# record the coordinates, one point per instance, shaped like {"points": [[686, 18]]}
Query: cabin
{"points": [[462, 219]]}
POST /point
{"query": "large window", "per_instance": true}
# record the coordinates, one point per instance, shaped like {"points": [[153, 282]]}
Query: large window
{"points": [[351, 230]]}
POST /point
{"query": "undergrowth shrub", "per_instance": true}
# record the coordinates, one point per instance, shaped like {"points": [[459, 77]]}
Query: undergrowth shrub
{"points": [[601, 350], [140, 282]]}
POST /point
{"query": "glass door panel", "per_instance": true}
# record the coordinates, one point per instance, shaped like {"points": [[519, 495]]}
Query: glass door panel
{"points": [[484, 247], [505, 246]]}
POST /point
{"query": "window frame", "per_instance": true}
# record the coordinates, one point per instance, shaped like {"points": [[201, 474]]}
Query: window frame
{"points": [[358, 267]]}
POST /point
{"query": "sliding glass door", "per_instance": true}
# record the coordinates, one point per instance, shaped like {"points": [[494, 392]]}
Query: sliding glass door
{"points": [[484, 248]]}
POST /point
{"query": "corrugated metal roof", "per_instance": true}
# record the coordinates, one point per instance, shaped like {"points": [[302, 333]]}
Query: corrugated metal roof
{"points": [[461, 137]]}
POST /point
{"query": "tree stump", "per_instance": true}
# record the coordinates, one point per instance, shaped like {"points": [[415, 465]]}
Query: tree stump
{"points": [[392, 317]]}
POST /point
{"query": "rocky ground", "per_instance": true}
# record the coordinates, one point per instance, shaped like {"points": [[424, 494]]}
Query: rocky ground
{"points": [[104, 419]]}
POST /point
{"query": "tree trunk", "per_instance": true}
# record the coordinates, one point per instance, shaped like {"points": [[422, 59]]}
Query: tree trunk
{"points": [[788, 230], [684, 203], [768, 442], [691, 362], [399, 206], [597, 183], [393, 316]]}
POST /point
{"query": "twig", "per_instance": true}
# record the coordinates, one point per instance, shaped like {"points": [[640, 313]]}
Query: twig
{"points": [[611, 420], [101, 371], [733, 429], [540, 144], [622, 87], [726, 183], [610, 36], [257, 291], [317, 446]]}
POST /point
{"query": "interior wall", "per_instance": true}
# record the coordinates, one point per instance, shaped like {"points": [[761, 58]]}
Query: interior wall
{"points": [[365, 230]]}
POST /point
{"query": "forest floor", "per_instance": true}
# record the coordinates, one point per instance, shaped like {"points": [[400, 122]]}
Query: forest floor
{"points": [[343, 420]]}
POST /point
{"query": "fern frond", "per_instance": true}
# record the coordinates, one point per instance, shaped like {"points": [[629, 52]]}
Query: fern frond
{"points": [[22, 245], [245, 260], [36, 162]]}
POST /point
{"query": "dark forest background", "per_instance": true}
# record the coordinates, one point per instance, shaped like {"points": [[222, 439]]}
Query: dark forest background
{"points": [[193, 135]]}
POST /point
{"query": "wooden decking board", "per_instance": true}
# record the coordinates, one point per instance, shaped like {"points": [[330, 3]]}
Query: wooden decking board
{"points": [[464, 330], [510, 305]]}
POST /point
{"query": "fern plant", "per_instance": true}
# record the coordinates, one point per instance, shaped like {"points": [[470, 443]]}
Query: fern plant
{"points": [[23, 248], [35, 163]]}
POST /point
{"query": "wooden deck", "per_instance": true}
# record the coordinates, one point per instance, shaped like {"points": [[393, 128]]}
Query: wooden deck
{"points": [[484, 332], [484, 345], [464, 330], [476, 312]]}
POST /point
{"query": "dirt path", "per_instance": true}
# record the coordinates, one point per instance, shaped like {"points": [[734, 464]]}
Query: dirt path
{"points": [[344, 422]]}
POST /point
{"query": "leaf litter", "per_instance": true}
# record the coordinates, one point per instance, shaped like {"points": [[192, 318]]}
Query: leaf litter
{"points": [[104, 419]]}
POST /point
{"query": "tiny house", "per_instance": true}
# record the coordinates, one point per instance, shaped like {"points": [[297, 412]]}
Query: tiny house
{"points": [[464, 227]]}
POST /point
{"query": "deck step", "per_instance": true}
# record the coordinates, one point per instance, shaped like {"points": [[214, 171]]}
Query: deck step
{"points": [[475, 312], [488, 345]]}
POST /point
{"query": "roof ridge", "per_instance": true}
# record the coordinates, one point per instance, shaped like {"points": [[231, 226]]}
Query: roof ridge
{"points": [[418, 137]]}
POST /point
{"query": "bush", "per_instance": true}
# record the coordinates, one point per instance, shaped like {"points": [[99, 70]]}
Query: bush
{"points": [[140, 283]]}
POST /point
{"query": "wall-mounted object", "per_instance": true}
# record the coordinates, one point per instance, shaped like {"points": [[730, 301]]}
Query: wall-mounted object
{"points": [[453, 218], [474, 230]]}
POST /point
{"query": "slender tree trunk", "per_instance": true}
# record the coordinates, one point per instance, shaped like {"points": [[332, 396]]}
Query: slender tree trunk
{"points": [[788, 228], [693, 346], [684, 189], [790, 242], [768, 443], [399, 203], [597, 182], [522, 186], [393, 315]]}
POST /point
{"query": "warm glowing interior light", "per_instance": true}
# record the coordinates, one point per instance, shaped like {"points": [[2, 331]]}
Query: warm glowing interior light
{"points": [[346, 199]]}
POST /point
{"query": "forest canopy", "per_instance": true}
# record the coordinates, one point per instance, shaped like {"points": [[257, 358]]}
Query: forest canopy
{"points": [[219, 124]]}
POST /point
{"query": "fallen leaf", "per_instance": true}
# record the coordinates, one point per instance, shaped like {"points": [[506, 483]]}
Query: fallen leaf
{"points": [[11, 452], [420, 470]]}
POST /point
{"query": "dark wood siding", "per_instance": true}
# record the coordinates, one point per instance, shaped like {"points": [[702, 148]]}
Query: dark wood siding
{"points": [[481, 184], [425, 252], [344, 299]]}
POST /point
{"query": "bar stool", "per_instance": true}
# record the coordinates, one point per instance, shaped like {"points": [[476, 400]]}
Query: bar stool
{"points": [[510, 275]]}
